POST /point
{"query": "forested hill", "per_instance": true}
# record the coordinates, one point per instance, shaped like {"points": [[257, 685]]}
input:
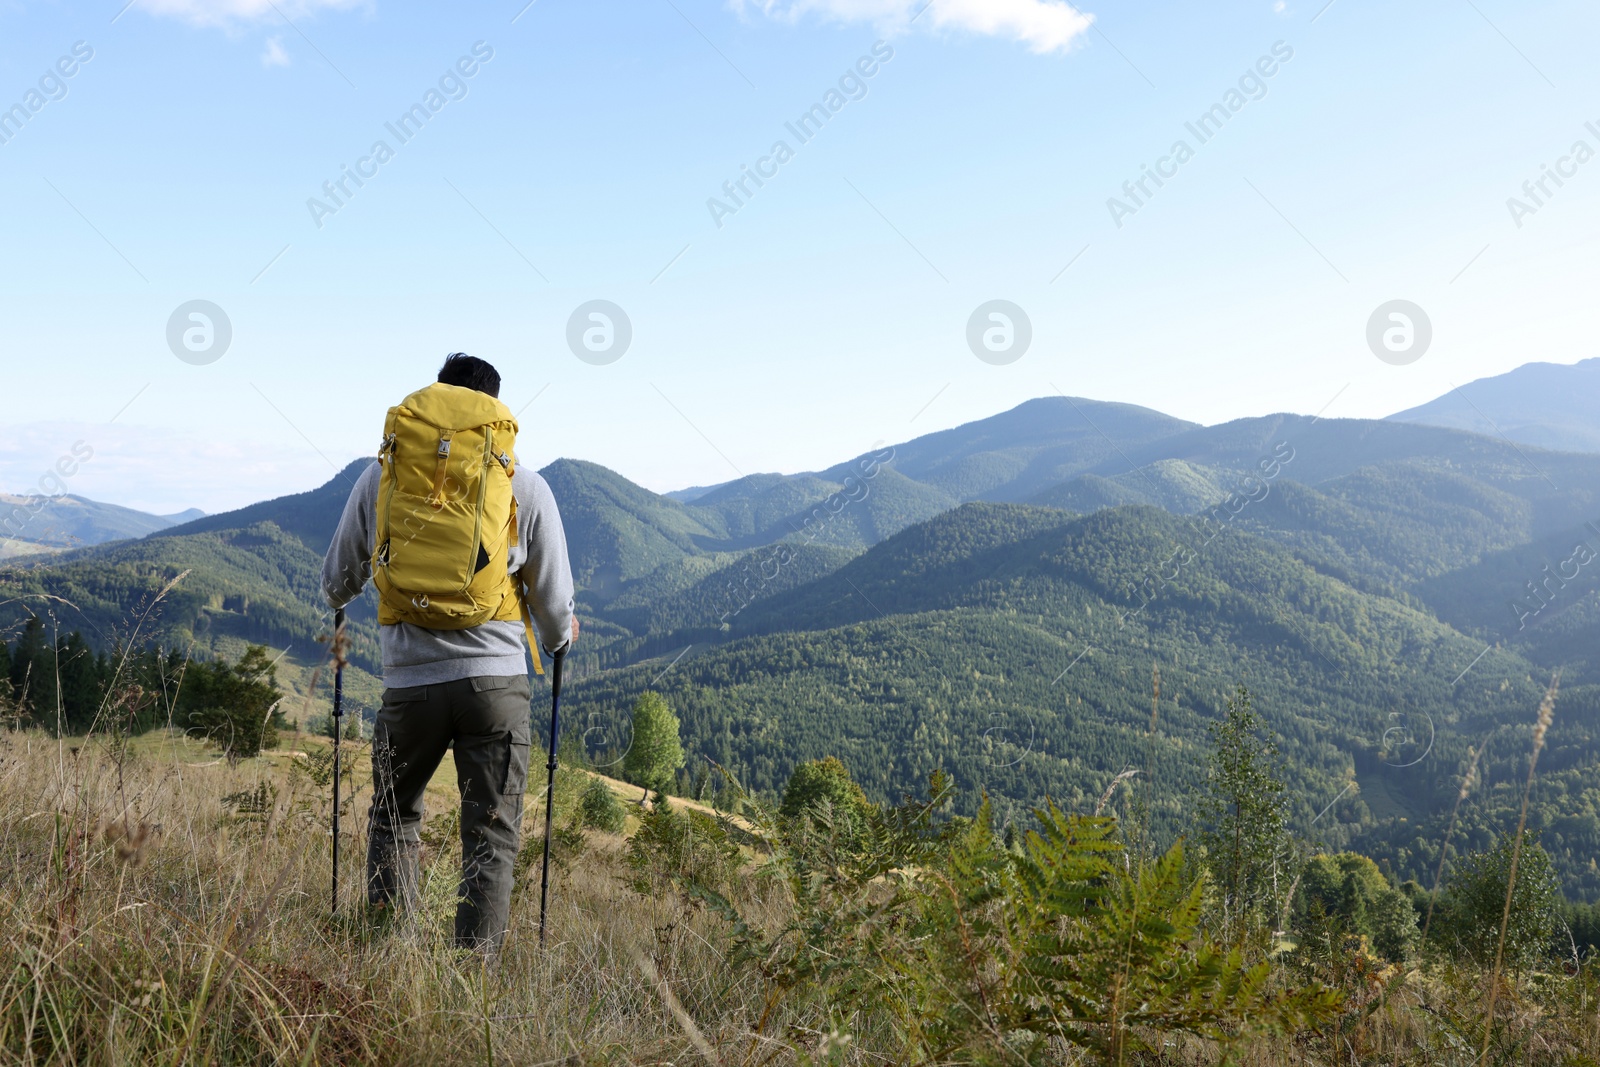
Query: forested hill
{"points": [[309, 517], [1001, 643]]}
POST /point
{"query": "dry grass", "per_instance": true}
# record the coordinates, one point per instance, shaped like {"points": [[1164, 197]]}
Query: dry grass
{"points": [[156, 913], [154, 923]]}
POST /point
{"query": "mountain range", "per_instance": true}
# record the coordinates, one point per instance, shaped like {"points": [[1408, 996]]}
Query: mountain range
{"points": [[45, 524], [1035, 602], [1548, 405]]}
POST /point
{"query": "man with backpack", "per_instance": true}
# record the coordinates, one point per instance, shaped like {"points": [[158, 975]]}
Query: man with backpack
{"points": [[467, 552]]}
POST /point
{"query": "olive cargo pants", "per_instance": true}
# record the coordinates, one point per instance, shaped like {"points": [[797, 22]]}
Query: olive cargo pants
{"points": [[487, 719]]}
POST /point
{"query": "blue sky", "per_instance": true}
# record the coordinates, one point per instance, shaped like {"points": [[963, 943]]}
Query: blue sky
{"points": [[831, 310]]}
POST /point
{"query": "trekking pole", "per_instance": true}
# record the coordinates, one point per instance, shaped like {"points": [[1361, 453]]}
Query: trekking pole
{"points": [[550, 787], [338, 736]]}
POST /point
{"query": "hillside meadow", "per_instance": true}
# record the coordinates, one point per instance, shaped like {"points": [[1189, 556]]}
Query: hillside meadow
{"points": [[165, 906]]}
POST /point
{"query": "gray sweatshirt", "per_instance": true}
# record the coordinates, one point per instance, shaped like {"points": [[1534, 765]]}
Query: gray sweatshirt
{"points": [[414, 656]]}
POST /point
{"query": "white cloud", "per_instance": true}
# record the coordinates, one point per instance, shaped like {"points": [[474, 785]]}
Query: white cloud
{"points": [[230, 12], [274, 56], [1044, 25]]}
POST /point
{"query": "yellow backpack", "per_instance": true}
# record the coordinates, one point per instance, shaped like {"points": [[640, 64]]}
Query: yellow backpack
{"points": [[446, 514]]}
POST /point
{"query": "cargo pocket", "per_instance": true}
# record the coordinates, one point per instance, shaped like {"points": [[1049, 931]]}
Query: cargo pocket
{"points": [[518, 748], [493, 683], [397, 698]]}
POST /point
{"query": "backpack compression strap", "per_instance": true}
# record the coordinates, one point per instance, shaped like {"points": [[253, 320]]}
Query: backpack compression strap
{"points": [[522, 590], [527, 625]]}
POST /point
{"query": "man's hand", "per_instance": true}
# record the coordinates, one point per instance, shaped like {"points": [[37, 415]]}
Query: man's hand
{"points": [[574, 631]]}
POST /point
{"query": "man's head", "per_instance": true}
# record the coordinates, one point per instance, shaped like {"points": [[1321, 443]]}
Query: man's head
{"points": [[470, 372]]}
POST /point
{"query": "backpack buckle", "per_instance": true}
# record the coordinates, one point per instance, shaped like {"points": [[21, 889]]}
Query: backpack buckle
{"points": [[444, 448]]}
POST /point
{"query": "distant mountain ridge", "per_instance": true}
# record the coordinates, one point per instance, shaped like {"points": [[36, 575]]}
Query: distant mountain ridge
{"points": [[71, 521], [1548, 405], [1068, 453], [311, 516]]}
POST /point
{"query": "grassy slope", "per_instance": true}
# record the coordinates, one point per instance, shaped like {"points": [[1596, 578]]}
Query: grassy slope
{"points": [[210, 941], [216, 935]]}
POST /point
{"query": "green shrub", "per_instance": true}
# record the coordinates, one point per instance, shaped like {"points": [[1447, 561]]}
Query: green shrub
{"points": [[599, 808], [822, 793], [1348, 889], [236, 708], [971, 953], [1477, 902], [684, 848]]}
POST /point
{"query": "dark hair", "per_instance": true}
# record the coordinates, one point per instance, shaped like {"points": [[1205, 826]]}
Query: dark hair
{"points": [[470, 373]]}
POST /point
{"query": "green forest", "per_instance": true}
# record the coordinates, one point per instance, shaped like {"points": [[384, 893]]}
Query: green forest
{"points": [[62, 683]]}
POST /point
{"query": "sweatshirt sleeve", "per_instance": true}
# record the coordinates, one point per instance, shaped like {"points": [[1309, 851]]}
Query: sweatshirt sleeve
{"points": [[546, 570], [348, 565]]}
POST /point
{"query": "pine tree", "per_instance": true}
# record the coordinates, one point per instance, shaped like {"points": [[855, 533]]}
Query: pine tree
{"points": [[236, 707], [82, 682], [656, 753], [32, 672], [598, 808], [1243, 816]]}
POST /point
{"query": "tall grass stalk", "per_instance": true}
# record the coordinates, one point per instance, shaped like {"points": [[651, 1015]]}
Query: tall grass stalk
{"points": [[1467, 782], [1547, 711]]}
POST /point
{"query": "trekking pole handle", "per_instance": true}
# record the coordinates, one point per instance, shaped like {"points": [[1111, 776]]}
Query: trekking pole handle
{"points": [[555, 700], [338, 665]]}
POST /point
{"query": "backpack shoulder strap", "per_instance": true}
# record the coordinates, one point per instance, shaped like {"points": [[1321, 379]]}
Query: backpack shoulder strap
{"points": [[508, 462]]}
